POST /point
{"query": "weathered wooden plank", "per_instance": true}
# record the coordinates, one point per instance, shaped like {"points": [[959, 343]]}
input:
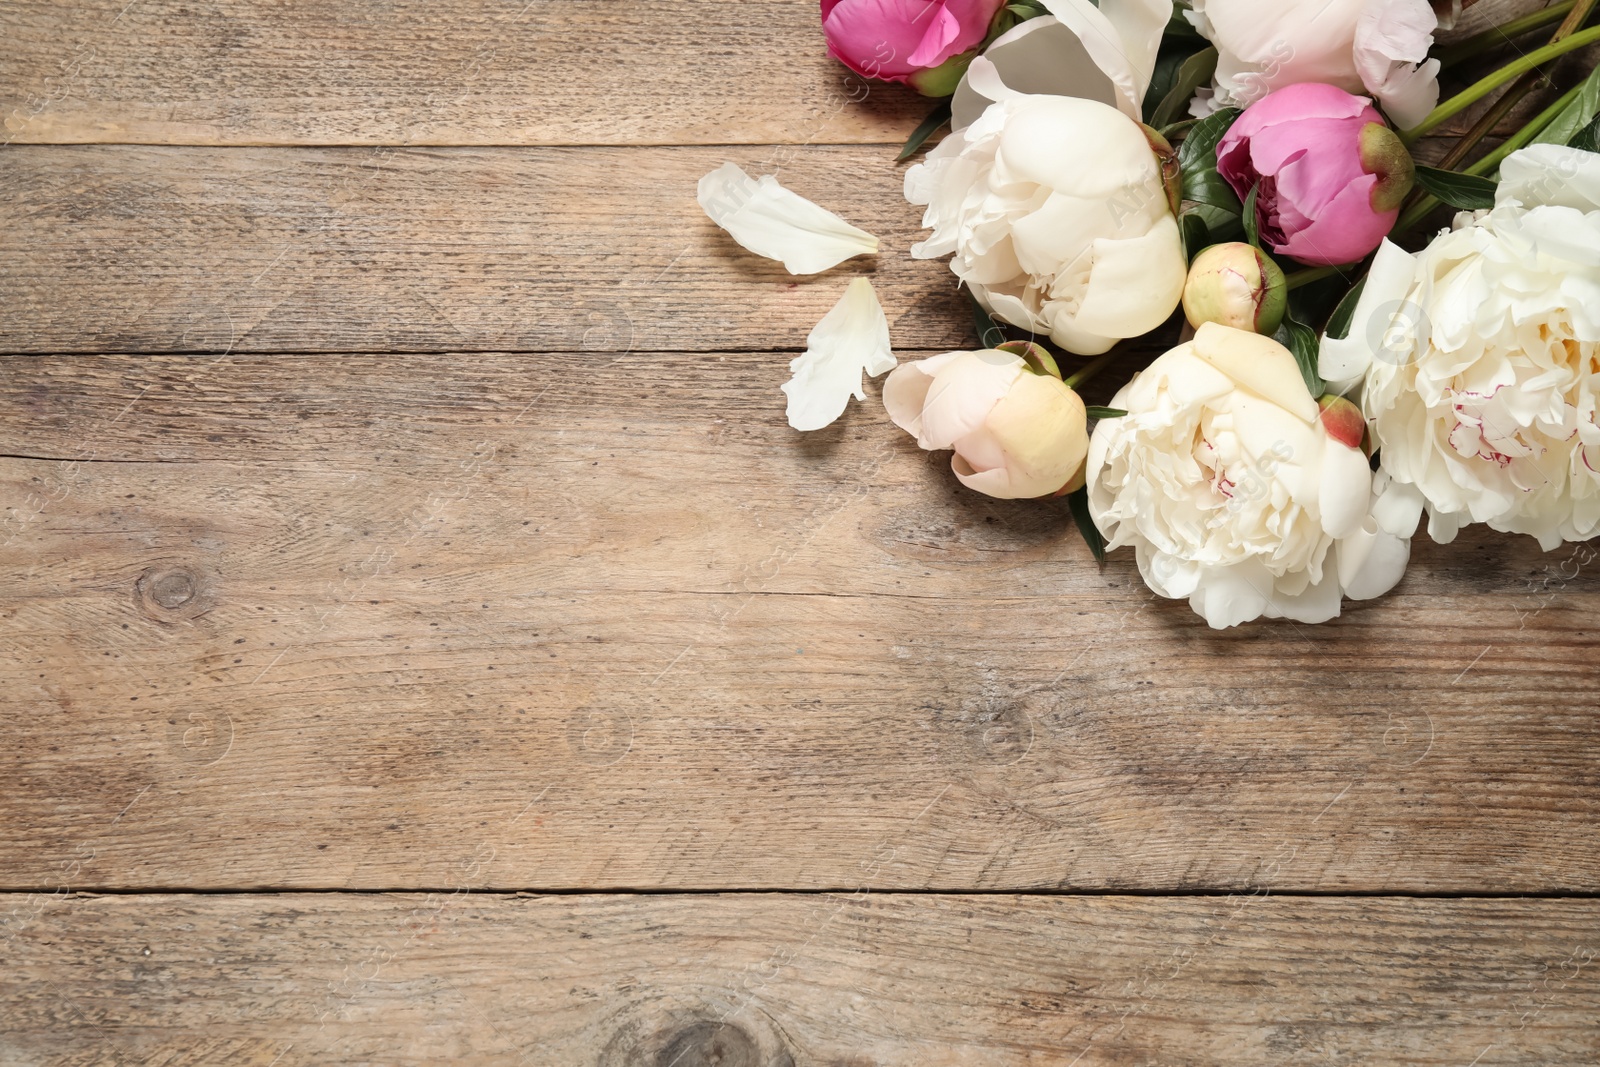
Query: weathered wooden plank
{"points": [[849, 980], [332, 621], [478, 72], [171, 249], [409, 72]]}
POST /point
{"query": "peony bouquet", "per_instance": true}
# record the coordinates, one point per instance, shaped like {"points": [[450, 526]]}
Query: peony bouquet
{"points": [[1227, 201]]}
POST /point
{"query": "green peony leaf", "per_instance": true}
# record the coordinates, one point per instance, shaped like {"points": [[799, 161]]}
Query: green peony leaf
{"points": [[1575, 116], [939, 116], [1464, 192], [1302, 340], [1190, 75], [1344, 311], [1252, 225], [990, 335], [1078, 501]]}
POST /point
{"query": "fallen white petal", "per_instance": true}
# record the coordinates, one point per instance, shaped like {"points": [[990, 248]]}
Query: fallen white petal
{"points": [[771, 221], [851, 339]]}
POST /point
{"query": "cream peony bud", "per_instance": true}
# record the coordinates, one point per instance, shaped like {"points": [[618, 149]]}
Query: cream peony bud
{"points": [[1016, 433], [1235, 285]]}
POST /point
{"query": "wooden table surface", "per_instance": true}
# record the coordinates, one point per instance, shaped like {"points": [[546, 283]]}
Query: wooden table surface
{"points": [[424, 641]]}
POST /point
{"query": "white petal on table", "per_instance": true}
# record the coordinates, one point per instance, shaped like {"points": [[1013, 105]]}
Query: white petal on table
{"points": [[851, 339], [771, 221]]}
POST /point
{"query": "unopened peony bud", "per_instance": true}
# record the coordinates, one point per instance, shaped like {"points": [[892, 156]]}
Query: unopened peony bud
{"points": [[1167, 157], [1384, 156], [926, 46], [1016, 432], [1342, 420], [1235, 285], [1329, 176], [1036, 356]]}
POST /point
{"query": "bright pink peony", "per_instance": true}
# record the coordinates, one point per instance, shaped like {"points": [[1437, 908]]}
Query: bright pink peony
{"points": [[919, 42], [1331, 173]]}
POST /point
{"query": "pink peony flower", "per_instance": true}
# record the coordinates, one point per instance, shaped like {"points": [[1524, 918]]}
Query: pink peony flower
{"points": [[1331, 173], [923, 43]]}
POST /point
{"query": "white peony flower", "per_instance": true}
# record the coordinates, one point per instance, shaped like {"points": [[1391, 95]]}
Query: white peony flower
{"points": [[1226, 479], [1105, 53], [1051, 235], [1478, 360], [1017, 434], [1379, 47], [771, 221], [851, 339]]}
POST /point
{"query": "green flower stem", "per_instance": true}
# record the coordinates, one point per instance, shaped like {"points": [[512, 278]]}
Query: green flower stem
{"points": [[1480, 89], [1490, 120], [1416, 214], [1083, 374], [1306, 277], [1502, 34], [1489, 163]]}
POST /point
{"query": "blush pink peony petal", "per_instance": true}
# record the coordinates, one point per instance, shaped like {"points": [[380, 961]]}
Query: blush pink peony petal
{"points": [[1273, 147], [1307, 100], [1344, 230], [1304, 149], [963, 394], [874, 38], [896, 40], [934, 48]]}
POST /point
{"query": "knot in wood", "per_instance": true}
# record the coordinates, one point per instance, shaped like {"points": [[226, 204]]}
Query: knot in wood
{"points": [[172, 591], [708, 1043]]}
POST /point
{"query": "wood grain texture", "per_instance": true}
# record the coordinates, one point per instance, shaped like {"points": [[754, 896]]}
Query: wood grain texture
{"points": [[474, 72], [410, 72], [263, 250], [857, 980], [330, 621]]}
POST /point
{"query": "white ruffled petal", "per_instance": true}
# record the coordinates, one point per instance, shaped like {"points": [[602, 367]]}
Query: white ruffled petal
{"points": [[1391, 45], [851, 339], [1224, 481], [1548, 174], [1122, 37], [1105, 54], [1343, 361], [771, 221], [1345, 496], [1040, 57], [1372, 562]]}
